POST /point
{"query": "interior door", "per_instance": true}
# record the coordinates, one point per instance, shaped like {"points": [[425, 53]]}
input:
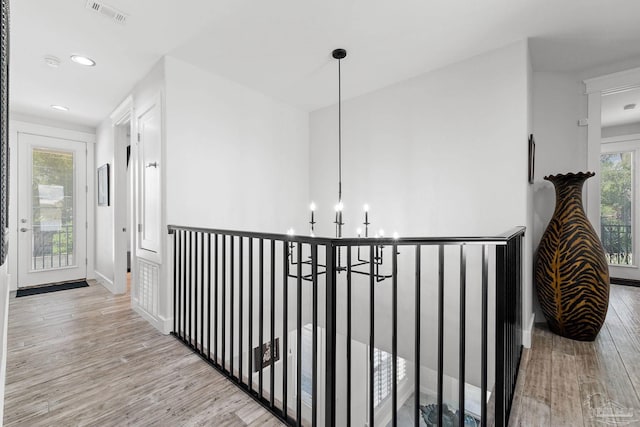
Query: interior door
{"points": [[150, 152], [52, 210]]}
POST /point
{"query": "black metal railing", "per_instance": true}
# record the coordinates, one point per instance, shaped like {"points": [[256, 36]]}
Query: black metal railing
{"points": [[287, 320], [618, 243], [52, 246]]}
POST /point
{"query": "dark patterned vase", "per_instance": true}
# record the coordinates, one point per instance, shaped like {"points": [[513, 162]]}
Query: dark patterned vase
{"points": [[572, 275]]}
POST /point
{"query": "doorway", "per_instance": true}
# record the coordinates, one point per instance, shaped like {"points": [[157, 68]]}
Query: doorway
{"points": [[620, 183], [123, 197], [52, 210]]}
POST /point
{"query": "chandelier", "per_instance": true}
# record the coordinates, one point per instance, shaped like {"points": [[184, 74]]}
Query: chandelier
{"points": [[377, 259]]}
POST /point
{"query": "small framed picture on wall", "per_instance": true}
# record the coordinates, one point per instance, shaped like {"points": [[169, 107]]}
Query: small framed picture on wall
{"points": [[103, 185], [532, 158]]}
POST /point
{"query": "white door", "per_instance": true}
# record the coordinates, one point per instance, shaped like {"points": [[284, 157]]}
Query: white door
{"points": [[52, 210], [150, 150]]}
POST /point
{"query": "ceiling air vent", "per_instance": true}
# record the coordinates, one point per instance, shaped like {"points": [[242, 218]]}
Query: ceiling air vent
{"points": [[107, 11]]}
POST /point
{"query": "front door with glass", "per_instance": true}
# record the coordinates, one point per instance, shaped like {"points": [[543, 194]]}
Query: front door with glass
{"points": [[52, 206]]}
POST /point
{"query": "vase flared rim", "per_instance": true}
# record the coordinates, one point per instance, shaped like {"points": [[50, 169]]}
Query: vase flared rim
{"points": [[570, 175]]}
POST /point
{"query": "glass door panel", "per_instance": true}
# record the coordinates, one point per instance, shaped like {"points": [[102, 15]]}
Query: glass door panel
{"points": [[52, 209], [616, 207]]}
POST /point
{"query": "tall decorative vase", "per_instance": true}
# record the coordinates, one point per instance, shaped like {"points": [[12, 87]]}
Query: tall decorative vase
{"points": [[572, 275]]}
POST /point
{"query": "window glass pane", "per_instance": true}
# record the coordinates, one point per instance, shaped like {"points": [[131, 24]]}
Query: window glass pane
{"points": [[52, 209], [616, 207]]}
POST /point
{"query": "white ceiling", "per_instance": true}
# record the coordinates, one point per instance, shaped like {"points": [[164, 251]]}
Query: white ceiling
{"points": [[282, 47]]}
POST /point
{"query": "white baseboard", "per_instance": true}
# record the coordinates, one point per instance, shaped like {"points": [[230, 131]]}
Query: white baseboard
{"points": [[105, 281], [527, 331], [167, 324], [5, 321]]}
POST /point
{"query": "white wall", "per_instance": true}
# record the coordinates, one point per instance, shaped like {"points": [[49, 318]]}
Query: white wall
{"points": [[236, 159], [561, 145], [441, 154], [559, 101]]}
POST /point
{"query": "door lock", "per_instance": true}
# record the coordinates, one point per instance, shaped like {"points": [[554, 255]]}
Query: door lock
{"points": [[24, 229]]}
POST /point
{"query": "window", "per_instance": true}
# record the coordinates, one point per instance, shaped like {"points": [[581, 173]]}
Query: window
{"points": [[383, 374]]}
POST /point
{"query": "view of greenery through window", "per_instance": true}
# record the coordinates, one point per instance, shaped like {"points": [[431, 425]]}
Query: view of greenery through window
{"points": [[52, 209], [616, 206]]}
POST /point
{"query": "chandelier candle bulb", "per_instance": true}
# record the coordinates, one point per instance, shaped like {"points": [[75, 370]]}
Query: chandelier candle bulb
{"points": [[312, 206]]}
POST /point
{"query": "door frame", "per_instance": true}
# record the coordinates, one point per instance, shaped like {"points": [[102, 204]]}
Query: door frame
{"points": [[628, 143], [16, 127], [121, 115]]}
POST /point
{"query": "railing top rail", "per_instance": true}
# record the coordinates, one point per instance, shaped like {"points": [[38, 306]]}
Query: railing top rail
{"points": [[500, 239]]}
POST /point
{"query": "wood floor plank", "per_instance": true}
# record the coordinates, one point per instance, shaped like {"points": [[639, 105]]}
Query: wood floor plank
{"points": [[574, 383], [84, 357], [566, 408]]}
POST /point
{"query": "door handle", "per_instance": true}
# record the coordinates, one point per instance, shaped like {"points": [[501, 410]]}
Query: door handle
{"points": [[24, 229]]}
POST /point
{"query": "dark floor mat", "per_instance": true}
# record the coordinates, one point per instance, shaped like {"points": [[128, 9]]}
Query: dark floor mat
{"points": [[51, 288]]}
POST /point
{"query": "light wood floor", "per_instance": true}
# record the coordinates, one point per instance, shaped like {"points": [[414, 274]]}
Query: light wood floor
{"points": [[83, 357], [570, 383]]}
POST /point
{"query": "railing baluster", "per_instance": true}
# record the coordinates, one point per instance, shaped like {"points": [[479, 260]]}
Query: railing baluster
{"points": [[261, 314], [189, 298], [285, 329], [194, 273], [501, 342], [349, 250], [240, 304], [394, 337], [299, 339], [216, 309], [250, 320], [462, 344], [440, 330], [331, 330], [484, 320], [418, 307], [202, 293], [223, 311], [231, 296], [371, 333], [184, 286], [208, 296], [314, 352], [272, 324], [67, 245], [176, 274]]}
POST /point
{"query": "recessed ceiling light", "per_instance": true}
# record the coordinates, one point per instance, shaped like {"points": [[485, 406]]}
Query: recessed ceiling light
{"points": [[630, 106], [60, 107], [83, 60], [52, 61]]}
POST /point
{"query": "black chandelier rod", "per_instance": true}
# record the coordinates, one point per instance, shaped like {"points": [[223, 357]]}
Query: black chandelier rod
{"points": [[339, 54]]}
